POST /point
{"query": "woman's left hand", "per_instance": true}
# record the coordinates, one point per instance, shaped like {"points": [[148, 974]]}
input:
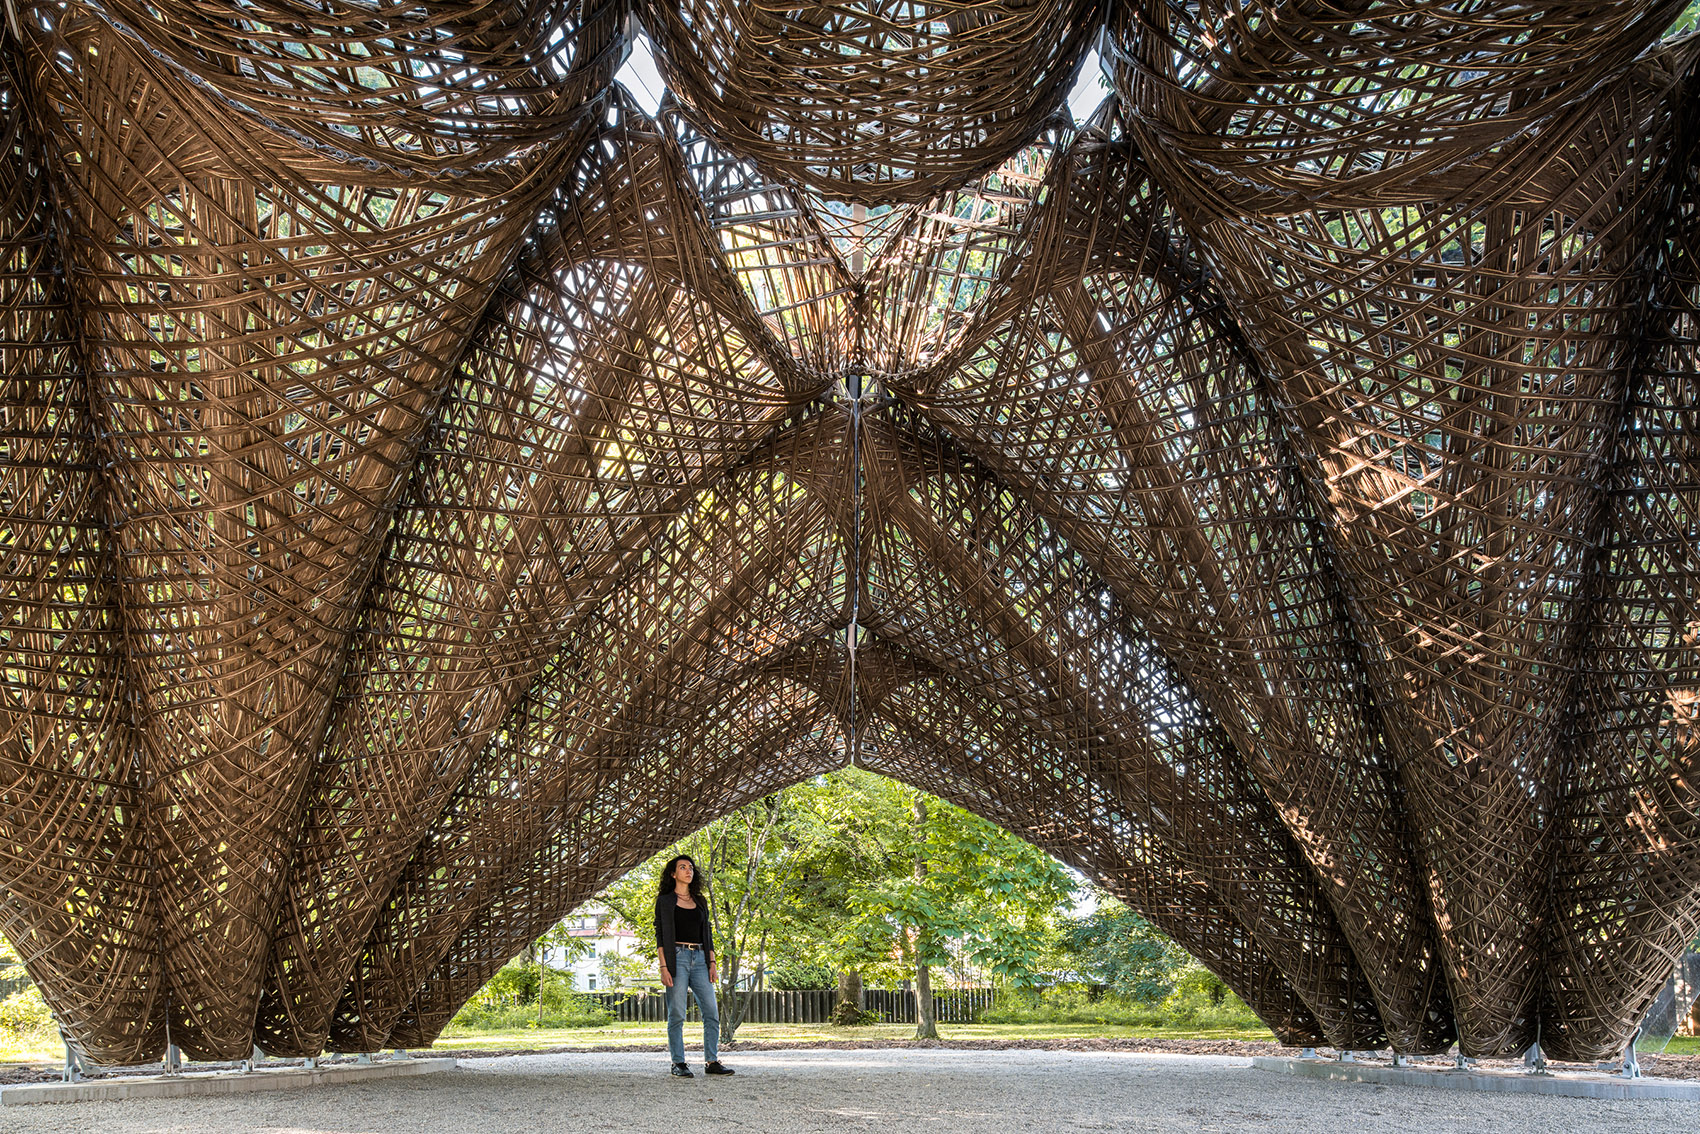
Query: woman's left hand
{"points": [[713, 973]]}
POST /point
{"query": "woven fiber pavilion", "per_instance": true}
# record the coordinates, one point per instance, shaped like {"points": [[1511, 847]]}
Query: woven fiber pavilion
{"points": [[430, 485]]}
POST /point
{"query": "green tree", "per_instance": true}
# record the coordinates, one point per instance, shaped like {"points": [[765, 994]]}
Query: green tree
{"points": [[951, 876], [855, 871], [740, 847], [743, 857], [1117, 948], [628, 970]]}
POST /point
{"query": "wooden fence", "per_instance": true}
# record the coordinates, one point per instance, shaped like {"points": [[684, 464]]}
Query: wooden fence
{"points": [[959, 1006], [807, 1006]]}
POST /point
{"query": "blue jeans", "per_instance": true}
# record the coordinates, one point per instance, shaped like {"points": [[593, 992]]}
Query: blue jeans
{"points": [[691, 971]]}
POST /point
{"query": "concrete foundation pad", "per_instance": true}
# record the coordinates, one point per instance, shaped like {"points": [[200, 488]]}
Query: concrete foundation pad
{"points": [[1575, 1084], [189, 1083]]}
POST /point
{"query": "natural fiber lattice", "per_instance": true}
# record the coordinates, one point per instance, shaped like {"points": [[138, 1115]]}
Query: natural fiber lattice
{"points": [[872, 100], [428, 486], [78, 904]]}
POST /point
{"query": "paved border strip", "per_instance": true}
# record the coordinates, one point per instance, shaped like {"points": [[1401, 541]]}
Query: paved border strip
{"points": [[217, 1082], [1573, 1084]]}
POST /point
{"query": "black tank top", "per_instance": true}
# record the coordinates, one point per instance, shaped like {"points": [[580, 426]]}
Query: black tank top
{"points": [[687, 925]]}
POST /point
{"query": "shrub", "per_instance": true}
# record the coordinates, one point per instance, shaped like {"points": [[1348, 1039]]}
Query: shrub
{"points": [[798, 975], [514, 983], [847, 1015], [1190, 1006], [560, 1010], [1069, 1004], [25, 1016], [1201, 1008], [1122, 951], [1197, 981], [508, 1001]]}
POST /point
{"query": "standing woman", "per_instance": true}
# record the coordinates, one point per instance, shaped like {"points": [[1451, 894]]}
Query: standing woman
{"points": [[686, 944]]}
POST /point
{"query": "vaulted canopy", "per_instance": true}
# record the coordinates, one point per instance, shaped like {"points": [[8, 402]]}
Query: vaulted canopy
{"points": [[430, 484]]}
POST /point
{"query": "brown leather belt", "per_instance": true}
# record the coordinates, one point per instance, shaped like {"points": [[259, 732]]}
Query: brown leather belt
{"points": [[683, 945]]}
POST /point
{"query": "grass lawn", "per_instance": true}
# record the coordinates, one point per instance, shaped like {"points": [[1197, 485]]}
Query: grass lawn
{"points": [[28, 1049], [656, 1034]]}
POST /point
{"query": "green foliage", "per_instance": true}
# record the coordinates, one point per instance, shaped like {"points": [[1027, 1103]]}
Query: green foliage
{"points": [[509, 1001], [24, 1016], [847, 1015], [801, 975], [561, 938], [1119, 949], [629, 970], [1074, 1004], [514, 983], [824, 876], [821, 877], [565, 1011], [1195, 983], [1208, 1004], [833, 885], [991, 893], [632, 899], [1687, 22]]}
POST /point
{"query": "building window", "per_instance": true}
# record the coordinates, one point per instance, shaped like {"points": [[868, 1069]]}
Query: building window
{"points": [[593, 984]]}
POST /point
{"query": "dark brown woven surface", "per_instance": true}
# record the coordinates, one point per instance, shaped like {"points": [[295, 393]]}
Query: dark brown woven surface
{"points": [[430, 485]]}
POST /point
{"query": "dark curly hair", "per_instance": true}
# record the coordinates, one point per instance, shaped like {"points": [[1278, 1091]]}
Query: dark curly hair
{"points": [[670, 883]]}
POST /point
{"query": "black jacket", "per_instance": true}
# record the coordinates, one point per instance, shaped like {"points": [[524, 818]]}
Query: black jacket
{"points": [[664, 906]]}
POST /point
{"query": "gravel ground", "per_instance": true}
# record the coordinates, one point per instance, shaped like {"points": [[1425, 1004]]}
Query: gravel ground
{"points": [[886, 1090], [1661, 1066]]}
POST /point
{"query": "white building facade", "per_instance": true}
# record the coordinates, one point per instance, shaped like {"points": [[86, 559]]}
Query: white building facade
{"points": [[602, 933]]}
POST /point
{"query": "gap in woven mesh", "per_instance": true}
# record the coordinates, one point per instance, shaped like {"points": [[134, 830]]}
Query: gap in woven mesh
{"points": [[1090, 89], [639, 75]]}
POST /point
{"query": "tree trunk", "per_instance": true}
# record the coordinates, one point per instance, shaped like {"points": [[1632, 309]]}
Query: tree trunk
{"points": [[761, 963], [539, 956], [925, 1026], [850, 989], [852, 1000], [730, 962], [733, 1003], [731, 1006]]}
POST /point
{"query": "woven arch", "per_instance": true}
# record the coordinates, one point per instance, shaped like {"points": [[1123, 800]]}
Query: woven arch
{"points": [[1275, 494]]}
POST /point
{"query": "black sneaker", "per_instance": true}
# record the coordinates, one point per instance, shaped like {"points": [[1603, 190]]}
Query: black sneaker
{"points": [[680, 1071], [718, 1068]]}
